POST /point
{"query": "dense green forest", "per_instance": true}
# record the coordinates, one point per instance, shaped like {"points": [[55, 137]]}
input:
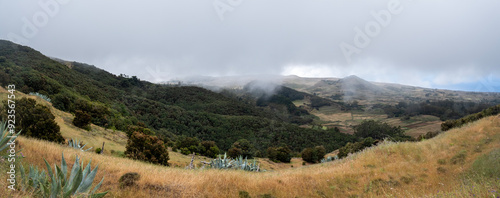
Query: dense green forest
{"points": [[120, 102], [444, 109]]}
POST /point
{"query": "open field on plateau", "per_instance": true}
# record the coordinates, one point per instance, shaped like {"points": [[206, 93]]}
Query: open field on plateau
{"points": [[414, 126]]}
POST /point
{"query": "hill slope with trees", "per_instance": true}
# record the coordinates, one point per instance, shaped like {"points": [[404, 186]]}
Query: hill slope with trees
{"points": [[118, 102]]}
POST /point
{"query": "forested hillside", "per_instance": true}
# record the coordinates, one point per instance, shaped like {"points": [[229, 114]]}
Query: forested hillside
{"points": [[120, 102]]}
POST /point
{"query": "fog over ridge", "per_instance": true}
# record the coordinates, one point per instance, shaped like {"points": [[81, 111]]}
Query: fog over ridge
{"points": [[438, 44]]}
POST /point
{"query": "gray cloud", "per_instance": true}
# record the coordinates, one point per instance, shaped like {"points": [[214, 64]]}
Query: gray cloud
{"points": [[429, 43]]}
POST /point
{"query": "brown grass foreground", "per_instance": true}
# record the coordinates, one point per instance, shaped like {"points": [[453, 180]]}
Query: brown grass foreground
{"points": [[412, 169]]}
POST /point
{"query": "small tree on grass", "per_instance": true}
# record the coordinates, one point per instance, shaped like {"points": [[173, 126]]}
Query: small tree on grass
{"points": [[209, 149], [147, 148], [36, 120], [82, 120], [279, 154], [313, 155], [242, 147]]}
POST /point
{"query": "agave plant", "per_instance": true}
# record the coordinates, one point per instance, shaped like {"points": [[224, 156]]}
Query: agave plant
{"points": [[41, 96], [329, 159], [77, 185], [33, 179], [245, 165], [239, 163], [221, 163], [76, 144], [4, 135]]}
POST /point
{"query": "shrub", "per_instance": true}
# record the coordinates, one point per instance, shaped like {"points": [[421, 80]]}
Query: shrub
{"points": [[279, 154], [244, 194], [313, 155], [129, 179], [378, 130], [64, 101], [233, 152], [185, 151], [449, 124], [98, 150], [242, 147], [147, 148], [98, 112], [209, 149], [428, 135], [272, 154], [82, 120], [140, 127], [187, 145], [355, 147], [36, 120]]}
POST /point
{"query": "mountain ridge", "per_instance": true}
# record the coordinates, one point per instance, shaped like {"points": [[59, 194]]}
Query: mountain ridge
{"points": [[171, 111]]}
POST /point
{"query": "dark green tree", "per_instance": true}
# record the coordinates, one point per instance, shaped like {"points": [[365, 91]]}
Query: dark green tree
{"points": [[147, 148], [355, 147], [279, 154], [36, 121], [82, 120], [140, 127], [234, 152], [187, 145], [242, 147], [209, 149], [313, 155], [64, 102], [378, 130], [308, 155]]}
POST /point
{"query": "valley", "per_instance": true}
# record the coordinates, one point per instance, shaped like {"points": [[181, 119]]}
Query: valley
{"points": [[272, 123]]}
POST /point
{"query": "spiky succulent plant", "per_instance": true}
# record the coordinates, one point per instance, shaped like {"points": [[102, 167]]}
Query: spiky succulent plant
{"points": [[31, 181], [75, 143], [5, 135], [77, 185], [329, 159], [41, 96], [245, 165], [238, 163]]}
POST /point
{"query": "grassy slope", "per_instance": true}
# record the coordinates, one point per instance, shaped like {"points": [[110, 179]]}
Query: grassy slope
{"points": [[115, 140], [390, 169]]}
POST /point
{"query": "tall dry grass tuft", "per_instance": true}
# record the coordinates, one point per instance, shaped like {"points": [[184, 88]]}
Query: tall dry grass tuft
{"points": [[410, 169]]}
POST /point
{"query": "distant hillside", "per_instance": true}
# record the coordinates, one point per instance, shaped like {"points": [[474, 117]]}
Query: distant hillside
{"points": [[121, 101], [355, 88]]}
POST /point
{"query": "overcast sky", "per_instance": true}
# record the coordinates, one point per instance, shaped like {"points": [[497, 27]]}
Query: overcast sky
{"points": [[452, 44]]}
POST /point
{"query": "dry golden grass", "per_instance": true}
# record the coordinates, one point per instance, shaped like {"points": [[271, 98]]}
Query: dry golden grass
{"points": [[391, 169], [115, 140]]}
